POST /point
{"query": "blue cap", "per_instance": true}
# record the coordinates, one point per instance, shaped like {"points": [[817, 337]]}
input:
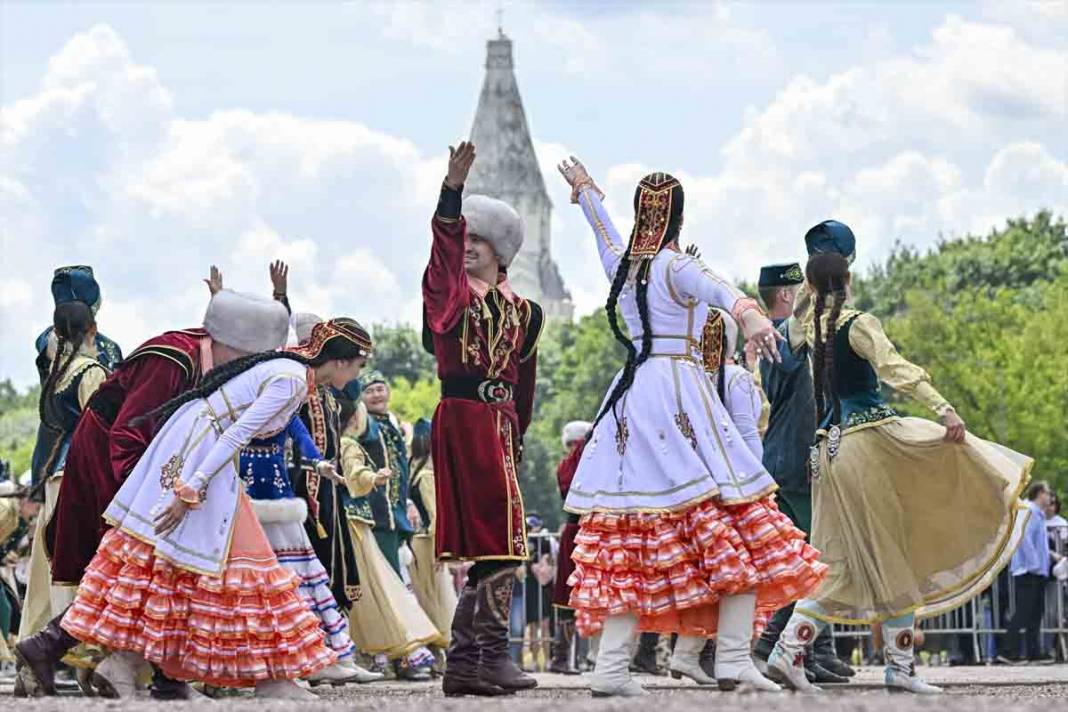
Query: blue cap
{"points": [[831, 236], [76, 284]]}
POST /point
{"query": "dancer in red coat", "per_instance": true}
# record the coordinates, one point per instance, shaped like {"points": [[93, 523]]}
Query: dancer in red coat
{"points": [[485, 338]]}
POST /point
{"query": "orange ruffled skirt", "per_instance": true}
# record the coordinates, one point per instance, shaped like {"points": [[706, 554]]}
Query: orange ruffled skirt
{"points": [[671, 569], [247, 625]]}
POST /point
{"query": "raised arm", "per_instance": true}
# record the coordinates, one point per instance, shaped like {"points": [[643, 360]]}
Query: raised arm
{"points": [[445, 287], [586, 193]]}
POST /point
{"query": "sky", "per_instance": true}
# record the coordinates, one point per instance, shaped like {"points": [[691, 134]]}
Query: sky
{"points": [[152, 140]]}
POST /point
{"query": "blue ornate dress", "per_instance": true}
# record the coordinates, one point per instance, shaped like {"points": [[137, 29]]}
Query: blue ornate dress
{"points": [[282, 514]]}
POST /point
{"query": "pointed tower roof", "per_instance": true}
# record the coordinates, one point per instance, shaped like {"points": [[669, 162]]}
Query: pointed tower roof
{"points": [[506, 163]]}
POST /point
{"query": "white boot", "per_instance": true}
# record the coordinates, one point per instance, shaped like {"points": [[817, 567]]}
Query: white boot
{"points": [[734, 658], [685, 659], [786, 664], [360, 675], [611, 675], [116, 676], [283, 690], [900, 661], [335, 674]]}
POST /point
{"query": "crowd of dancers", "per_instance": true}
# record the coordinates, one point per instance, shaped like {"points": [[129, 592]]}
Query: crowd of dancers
{"points": [[235, 505]]}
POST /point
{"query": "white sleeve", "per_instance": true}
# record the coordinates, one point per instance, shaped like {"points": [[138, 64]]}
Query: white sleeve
{"points": [[278, 400], [609, 244], [743, 403], [689, 278]]}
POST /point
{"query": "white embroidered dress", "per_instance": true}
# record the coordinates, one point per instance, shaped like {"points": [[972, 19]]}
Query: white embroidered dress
{"points": [[674, 443], [201, 443]]}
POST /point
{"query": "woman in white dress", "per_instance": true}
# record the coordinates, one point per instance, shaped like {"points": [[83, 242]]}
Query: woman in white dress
{"points": [[187, 578], [678, 530]]}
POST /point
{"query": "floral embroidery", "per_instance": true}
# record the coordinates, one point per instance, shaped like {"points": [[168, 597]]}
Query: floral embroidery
{"points": [[686, 427], [871, 415], [170, 472]]}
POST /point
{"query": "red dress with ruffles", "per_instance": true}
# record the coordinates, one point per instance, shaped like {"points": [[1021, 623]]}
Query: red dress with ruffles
{"points": [[246, 625]]}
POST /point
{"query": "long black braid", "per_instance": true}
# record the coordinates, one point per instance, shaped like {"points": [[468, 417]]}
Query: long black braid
{"points": [[721, 372], [828, 273], [627, 377], [71, 323]]}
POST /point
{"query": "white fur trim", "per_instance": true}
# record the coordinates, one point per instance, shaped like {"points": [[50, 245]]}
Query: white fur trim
{"points": [[280, 510], [496, 222], [247, 322]]}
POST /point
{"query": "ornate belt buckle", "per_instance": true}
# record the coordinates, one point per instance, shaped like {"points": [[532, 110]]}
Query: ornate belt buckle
{"points": [[494, 392], [834, 440]]}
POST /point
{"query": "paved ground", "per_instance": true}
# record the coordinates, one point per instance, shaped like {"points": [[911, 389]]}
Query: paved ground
{"points": [[971, 689]]}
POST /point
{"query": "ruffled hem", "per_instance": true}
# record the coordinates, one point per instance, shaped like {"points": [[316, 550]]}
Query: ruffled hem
{"points": [[671, 570], [247, 625]]}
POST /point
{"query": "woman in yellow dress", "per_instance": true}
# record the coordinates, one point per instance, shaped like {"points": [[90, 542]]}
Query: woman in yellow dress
{"points": [[913, 518], [386, 618]]}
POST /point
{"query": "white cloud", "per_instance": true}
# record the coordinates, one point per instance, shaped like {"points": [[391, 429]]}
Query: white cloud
{"points": [[98, 167]]}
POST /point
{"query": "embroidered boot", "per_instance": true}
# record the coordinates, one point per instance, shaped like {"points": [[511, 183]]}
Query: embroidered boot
{"points": [[901, 674], [461, 660], [494, 604], [786, 665]]}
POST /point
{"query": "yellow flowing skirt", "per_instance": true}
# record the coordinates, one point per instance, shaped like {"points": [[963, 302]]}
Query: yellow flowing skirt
{"points": [[909, 523]]}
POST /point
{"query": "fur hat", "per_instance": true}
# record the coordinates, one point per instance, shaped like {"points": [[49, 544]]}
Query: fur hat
{"points": [[246, 322], [303, 322], [575, 430], [496, 222]]}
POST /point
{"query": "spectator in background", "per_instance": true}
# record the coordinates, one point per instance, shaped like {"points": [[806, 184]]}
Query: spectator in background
{"points": [[1029, 569], [1055, 523], [541, 568]]}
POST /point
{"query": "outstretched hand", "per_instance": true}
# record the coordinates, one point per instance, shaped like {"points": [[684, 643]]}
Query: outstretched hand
{"points": [[765, 342], [577, 177], [280, 278], [460, 159], [955, 428], [214, 281]]}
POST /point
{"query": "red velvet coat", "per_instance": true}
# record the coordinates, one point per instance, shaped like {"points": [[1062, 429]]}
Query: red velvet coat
{"points": [[105, 445], [478, 333], [565, 473]]}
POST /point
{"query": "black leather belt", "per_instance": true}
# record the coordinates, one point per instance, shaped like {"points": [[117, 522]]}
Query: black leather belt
{"points": [[478, 389]]}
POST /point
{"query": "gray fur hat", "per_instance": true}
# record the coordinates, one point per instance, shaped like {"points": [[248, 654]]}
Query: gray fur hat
{"points": [[303, 322], [246, 322], [496, 222]]}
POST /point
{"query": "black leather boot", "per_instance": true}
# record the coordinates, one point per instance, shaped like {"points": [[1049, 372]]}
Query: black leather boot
{"points": [[495, 665], [461, 659], [645, 660], [561, 662], [40, 654]]}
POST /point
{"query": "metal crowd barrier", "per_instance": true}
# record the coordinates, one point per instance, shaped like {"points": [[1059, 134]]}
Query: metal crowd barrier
{"points": [[969, 632]]}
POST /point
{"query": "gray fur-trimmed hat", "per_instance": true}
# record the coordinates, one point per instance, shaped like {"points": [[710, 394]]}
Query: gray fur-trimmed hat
{"points": [[246, 322], [496, 222], [574, 431]]}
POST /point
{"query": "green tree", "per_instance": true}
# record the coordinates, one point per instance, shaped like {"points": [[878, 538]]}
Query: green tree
{"points": [[399, 353]]}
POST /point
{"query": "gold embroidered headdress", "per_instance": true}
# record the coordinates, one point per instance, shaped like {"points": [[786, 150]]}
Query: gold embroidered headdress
{"points": [[342, 328], [657, 218]]}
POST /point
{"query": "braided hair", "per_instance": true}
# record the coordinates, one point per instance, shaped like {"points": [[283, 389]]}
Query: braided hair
{"points": [[828, 273], [635, 358], [71, 323]]}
